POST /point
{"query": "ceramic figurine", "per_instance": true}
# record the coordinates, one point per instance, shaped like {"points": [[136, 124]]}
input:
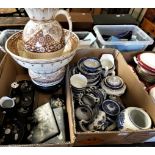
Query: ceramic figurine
{"points": [[133, 118]]}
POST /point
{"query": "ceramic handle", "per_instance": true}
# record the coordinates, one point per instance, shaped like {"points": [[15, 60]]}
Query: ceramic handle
{"points": [[66, 14]]}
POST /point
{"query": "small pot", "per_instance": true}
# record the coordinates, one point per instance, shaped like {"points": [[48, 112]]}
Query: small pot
{"points": [[133, 118]]}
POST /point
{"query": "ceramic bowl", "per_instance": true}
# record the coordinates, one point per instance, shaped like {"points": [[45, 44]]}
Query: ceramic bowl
{"points": [[133, 118], [147, 61], [15, 48], [91, 64]]}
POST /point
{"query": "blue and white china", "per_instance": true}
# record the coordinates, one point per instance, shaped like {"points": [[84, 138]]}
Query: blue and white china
{"points": [[133, 118], [93, 97], [84, 113], [107, 63], [89, 99], [98, 122], [118, 100], [87, 69], [109, 124], [113, 85], [110, 107], [91, 64]]}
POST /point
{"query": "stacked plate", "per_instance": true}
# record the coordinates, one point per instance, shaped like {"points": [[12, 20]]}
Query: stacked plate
{"points": [[91, 69], [146, 66]]}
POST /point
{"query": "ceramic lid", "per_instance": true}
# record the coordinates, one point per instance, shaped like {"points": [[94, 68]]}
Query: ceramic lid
{"points": [[114, 86], [114, 82]]}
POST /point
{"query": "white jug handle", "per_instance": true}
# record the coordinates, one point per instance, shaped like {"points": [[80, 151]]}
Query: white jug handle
{"points": [[66, 14]]}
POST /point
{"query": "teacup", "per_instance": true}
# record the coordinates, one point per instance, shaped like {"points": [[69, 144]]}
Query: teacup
{"points": [[108, 65], [91, 64], [78, 83], [133, 118]]}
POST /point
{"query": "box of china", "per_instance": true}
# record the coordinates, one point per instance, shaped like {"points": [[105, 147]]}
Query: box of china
{"points": [[10, 72], [134, 96]]}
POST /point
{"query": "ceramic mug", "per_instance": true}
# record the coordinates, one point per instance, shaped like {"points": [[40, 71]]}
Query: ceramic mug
{"points": [[108, 65], [133, 118], [7, 102]]}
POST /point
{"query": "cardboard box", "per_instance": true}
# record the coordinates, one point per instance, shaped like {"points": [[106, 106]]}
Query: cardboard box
{"points": [[10, 71], [135, 95]]}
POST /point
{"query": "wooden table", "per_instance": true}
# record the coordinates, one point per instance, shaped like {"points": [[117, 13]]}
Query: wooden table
{"points": [[81, 22], [5, 12]]}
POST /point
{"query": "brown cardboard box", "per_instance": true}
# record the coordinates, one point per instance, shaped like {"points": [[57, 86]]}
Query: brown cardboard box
{"points": [[10, 71], [134, 96]]}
